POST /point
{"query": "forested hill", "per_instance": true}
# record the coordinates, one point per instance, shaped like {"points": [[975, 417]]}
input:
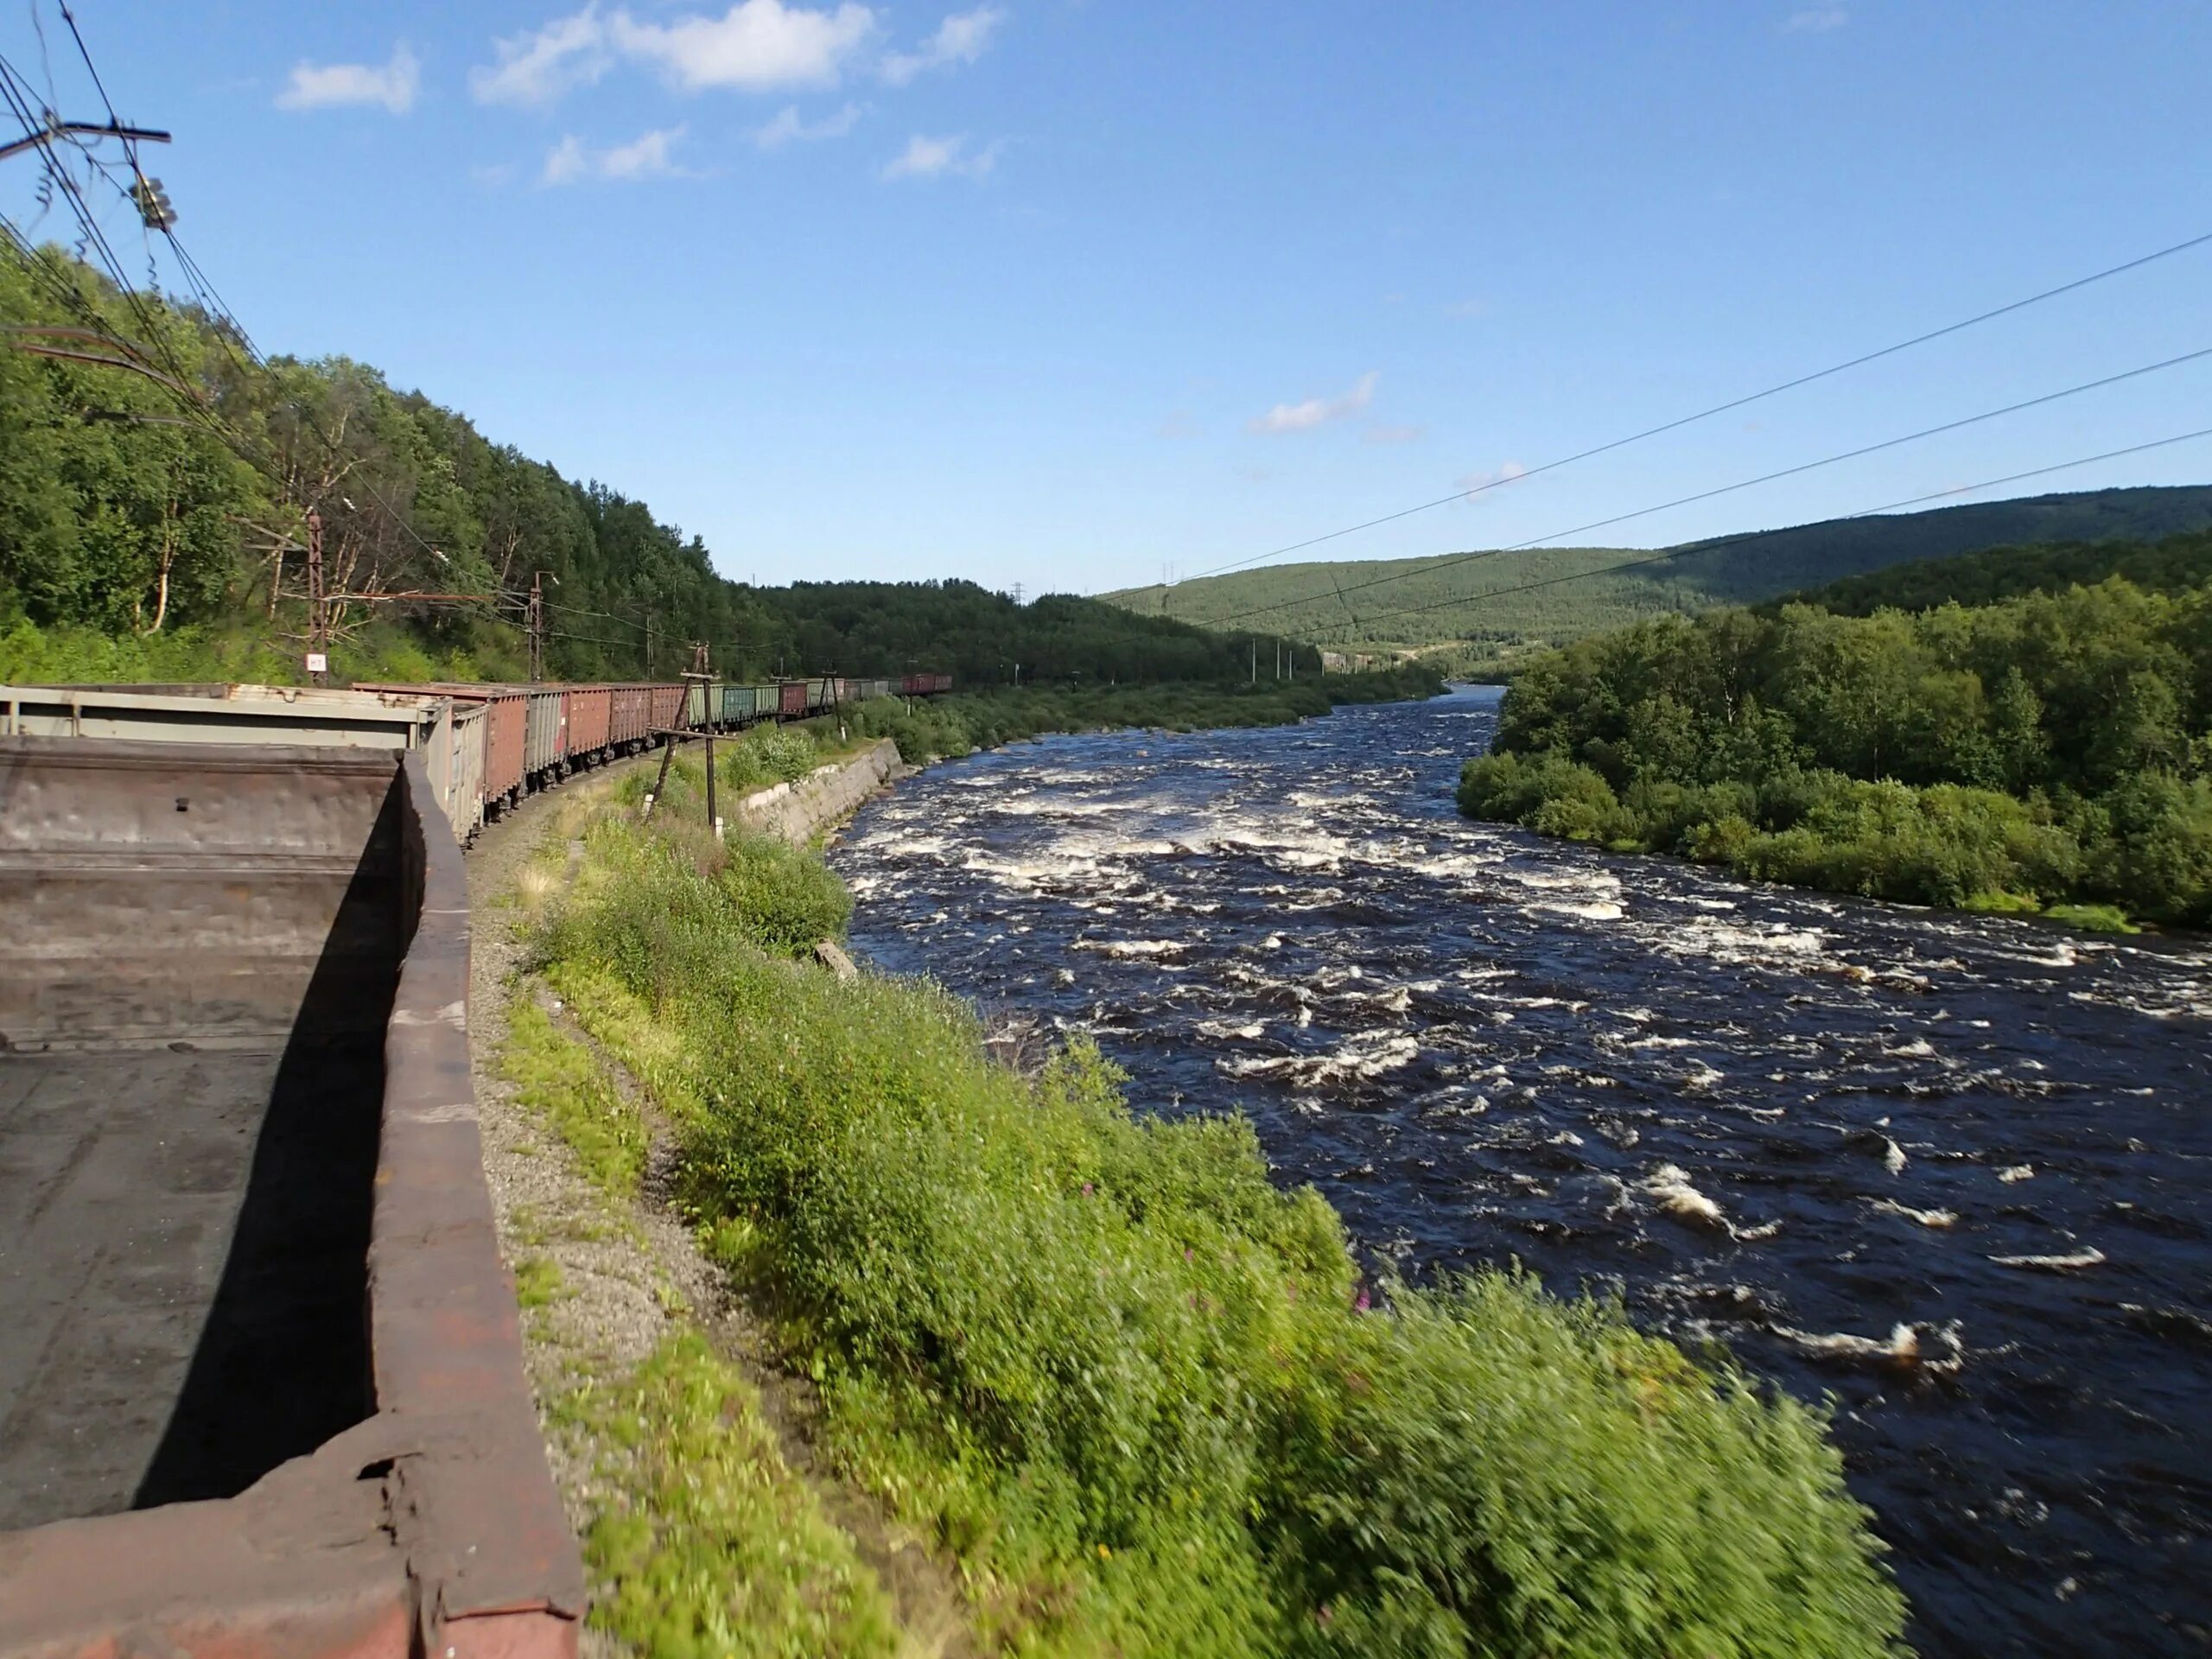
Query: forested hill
{"points": [[2166, 566], [156, 482], [1480, 614]]}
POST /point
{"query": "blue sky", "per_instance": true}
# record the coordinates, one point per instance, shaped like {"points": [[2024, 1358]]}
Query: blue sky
{"points": [[1063, 291]]}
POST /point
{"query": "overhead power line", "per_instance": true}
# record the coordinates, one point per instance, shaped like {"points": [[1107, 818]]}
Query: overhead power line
{"points": [[1859, 361], [1721, 542], [1431, 569]]}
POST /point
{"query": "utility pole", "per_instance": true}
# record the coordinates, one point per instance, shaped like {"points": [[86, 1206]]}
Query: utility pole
{"points": [[1255, 659], [318, 611], [537, 625], [649, 643]]}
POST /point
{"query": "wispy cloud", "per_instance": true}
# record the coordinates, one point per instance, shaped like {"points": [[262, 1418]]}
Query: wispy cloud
{"points": [[960, 38], [647, 156], [1393, 434], [755, 45], [1479, 485], [336, 86], [1314, 412], [930, 158], [1472, 306], [537, 66], [1817, 20], [789, 126]]}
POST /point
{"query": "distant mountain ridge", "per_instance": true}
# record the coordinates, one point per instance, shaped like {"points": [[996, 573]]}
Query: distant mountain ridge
{"points": [[1452, 610]]}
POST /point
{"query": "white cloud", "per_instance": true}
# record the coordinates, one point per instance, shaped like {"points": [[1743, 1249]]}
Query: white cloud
{"points": [[1817, 20], [331, 85], [536, 68], [1477, 485], [1302, 417], [789, 125], [647, 156], [755, 45], [960, 38], [1468, 307], [930, 158], [1392, 435]]}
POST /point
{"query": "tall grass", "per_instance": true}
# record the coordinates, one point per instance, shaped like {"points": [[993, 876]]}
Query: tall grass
{"points": [[1138, 1392]]}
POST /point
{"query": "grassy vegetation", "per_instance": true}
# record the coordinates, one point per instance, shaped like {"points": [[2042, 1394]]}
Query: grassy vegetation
{"points": [[705, 1542], [1480, 620], [71, 654], [709, 1545], [2049, 750], [559, 1081], [1139, 1395]]}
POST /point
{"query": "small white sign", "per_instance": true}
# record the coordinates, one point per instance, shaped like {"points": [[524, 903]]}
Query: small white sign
{"points": [[318, 663]]}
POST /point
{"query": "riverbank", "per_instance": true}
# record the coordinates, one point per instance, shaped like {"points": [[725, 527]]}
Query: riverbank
{"points": [[1130, 1394], [1483, 1046]]}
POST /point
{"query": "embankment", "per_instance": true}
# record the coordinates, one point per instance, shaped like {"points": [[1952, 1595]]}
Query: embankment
{"points": [[796, 812], [1135, 1393]]}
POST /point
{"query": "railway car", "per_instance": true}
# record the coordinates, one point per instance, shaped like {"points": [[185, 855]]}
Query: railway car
{"points": [[630, 717], [456, 769], [506, 768], [502, 742], [546, 743], [591, 715]]}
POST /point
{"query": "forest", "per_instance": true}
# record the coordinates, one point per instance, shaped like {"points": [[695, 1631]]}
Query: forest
{"points": [[156, 478], [1478, 617], [2051, 749]]}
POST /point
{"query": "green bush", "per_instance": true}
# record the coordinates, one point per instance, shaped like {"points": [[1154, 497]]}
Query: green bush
{"points": [[2045, 749], [1137, 1389], [784, 899]]}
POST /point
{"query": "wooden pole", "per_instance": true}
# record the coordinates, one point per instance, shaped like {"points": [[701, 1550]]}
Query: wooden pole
{"points": [[667, 754], [714, 818]]}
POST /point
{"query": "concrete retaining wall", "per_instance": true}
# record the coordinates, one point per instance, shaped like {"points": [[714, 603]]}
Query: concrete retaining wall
{"points": [[798, 812]]}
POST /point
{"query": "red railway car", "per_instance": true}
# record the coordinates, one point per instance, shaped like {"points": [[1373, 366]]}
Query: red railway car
{"points": [[630, 715], [531, 736], [591, 716], [668, 706]]}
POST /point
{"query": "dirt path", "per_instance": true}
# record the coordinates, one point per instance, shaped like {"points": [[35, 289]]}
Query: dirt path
{"points": [[628, 1274]]}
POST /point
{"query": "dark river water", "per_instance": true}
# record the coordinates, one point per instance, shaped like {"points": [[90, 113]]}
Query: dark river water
{"points": [[1786, 1121]]}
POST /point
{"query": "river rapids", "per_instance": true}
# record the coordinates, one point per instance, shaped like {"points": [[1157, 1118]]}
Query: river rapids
{"points": [[1951, 1172]]}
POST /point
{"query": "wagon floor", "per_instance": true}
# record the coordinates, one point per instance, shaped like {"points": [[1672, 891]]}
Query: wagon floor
{"points": [[183, 1239]]}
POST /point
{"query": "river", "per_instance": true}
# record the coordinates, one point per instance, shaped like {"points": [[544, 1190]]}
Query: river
{"points": [[1786, 1121]]}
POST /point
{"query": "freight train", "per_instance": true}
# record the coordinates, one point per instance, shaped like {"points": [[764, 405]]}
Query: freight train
{"points": [[503, 742]]}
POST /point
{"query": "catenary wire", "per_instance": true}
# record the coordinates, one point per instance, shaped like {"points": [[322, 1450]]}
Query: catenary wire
{"points": [[1719, 542], [1431, 569], [1859, 361]]}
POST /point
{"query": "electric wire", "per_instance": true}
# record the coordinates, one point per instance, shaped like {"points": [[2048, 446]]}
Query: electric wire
{"points": [[1719, 542], [1432, 568], [1859, 361]]}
